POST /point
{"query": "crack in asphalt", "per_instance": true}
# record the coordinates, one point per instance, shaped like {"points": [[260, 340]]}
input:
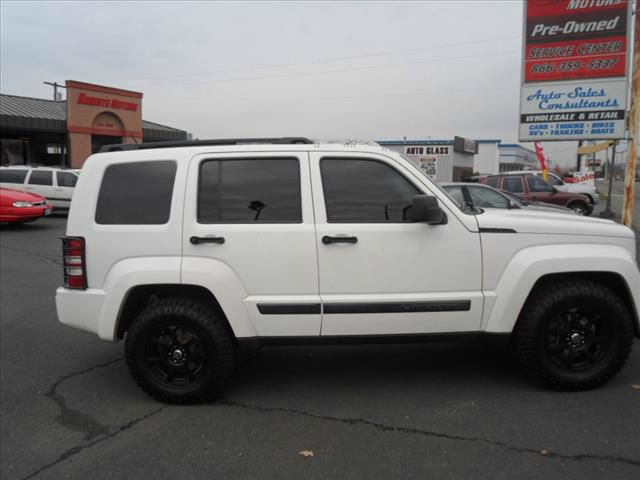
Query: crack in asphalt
{"points": [[49, 259], [428, 433], [74, 419], [76, 450], [95, 432]]}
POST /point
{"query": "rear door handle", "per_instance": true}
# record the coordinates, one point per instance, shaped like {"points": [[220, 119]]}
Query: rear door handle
{"points": [[327, 240], [198, 240]]}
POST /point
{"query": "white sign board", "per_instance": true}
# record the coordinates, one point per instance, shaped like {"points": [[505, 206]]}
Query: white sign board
{"points": [[584, 177], [575, 61], [426, 157], [574, 110], [429, 165]]}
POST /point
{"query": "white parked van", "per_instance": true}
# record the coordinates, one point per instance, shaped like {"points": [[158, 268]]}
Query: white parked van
{"points": [[56, 184]]}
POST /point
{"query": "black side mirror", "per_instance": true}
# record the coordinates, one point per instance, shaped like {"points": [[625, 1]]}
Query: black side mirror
{"points": [[425, 208]]}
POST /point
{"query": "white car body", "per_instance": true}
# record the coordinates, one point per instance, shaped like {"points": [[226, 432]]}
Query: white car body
{"points": [[488, 262], [55, 184], [585, 188]]}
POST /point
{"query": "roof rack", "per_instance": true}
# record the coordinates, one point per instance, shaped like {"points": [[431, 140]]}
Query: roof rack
{"points": [[205, 143]]}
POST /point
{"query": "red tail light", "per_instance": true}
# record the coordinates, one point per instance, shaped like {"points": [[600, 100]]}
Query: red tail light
{"points": [[73, 258]]}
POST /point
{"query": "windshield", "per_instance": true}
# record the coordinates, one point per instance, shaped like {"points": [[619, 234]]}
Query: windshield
{"points": [[513, 197]]}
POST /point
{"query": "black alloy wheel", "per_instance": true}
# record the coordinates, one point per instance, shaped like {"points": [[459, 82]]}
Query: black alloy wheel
{"points": [[573, 334], [175, 355], [179, 350], [577, 340]]}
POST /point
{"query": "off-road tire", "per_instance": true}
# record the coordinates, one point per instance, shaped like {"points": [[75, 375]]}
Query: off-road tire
{"points": [[533, 347], [212, 332]]}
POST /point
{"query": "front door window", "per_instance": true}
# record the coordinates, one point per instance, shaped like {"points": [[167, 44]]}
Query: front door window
{"points": [[365, 191]]}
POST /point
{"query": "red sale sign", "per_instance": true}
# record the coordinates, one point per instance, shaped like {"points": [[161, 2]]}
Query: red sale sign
{"points": [[575, 39]]}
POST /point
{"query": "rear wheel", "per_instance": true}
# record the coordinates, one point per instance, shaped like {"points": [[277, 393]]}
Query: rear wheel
{"points": [[179, 351], [573, 335]]}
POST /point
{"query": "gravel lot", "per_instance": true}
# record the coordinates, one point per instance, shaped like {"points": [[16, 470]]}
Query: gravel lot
{"points": [[69, 409]]}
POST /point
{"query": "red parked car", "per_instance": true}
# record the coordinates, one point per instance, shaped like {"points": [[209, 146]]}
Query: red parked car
{"points": [[534, 188], [22, 207]]}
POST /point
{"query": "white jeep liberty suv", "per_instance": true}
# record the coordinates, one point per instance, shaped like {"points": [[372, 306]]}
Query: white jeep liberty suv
{"points": [[194, 251]]}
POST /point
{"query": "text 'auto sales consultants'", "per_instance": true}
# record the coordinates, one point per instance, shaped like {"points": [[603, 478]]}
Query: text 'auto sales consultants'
{"points": [[575, 70]]}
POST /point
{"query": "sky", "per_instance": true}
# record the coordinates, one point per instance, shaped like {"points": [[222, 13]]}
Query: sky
{"points": [[324, 70]]}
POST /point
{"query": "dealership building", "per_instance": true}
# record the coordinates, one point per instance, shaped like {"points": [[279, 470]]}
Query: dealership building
{"points": [[36, 131], [66, 132], [452, 160]]}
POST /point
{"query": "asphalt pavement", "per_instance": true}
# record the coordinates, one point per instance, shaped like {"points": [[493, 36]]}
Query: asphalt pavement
{"points": [[68, 408]]}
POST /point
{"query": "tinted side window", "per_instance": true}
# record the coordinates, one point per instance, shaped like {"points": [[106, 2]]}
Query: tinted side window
{"points": [[12, 175], [66, 179], [364, 191], [41, 177], [538, 185], [492, 182], [513, 184], [136, 193], [251, 190]]}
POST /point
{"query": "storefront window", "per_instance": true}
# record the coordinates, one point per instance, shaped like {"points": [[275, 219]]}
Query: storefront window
{"points": [[12, 152], [55, 149]]}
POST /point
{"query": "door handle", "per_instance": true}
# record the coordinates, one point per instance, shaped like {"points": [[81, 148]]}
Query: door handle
{"points": [[198, 240], [327, 240]]}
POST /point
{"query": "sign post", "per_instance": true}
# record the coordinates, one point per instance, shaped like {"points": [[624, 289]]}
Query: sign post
{"points": [[634, 124], [607, 213]]}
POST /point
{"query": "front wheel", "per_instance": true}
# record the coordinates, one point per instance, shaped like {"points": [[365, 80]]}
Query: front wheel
{"points": [[579, 208], [179, 351], [573, 335]]}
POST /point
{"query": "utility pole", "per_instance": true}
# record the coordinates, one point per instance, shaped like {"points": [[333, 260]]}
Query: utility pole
{"points": [[578, 160], [55, 86], [607, 213], [634, 123]]}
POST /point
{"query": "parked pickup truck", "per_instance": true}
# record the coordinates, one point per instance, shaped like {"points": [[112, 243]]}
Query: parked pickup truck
{"points": [[196, 251]]}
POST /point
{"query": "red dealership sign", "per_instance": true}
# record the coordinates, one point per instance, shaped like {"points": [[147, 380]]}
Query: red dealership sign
{"points": [[575, 39], [85, 99]]}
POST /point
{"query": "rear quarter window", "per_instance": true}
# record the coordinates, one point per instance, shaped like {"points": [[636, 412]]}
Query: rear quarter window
{"points": [[11, 175], [66, 179], [137, 193]]}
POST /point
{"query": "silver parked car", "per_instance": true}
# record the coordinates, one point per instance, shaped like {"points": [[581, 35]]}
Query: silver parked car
{"points": [[477, 195]]}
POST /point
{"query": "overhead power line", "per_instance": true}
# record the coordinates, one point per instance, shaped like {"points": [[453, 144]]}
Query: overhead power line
{"points": [[357, 97], [339, 70], [329, 60]]}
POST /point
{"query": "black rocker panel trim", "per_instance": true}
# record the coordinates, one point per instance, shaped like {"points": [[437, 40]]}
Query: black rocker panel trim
{"points": [[289, 308], [399, 307], [493, 339]]}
